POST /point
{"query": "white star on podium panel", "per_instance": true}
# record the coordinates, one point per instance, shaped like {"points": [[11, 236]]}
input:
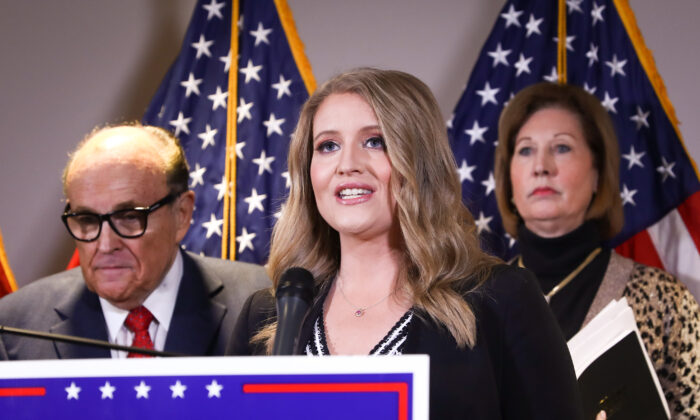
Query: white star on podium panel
{"points": [[214, 389], [72, 391], [142, 390], [178, 389], [107, 391]]}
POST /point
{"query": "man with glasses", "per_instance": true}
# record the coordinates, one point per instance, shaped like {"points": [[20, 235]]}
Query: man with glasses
{"points": [[128, 207]]}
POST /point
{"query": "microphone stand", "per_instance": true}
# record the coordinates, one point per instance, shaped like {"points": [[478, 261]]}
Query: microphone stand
{"points": [[84, 341]]}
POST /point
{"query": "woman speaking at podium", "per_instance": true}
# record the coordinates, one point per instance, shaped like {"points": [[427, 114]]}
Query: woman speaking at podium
{"points": [[375, 214]]}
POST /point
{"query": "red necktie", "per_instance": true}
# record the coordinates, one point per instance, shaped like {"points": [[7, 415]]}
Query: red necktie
{"points": [[137, 322]]}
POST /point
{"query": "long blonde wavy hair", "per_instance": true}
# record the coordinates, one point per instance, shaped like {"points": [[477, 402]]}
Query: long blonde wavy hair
{"points": [[441, 255]]}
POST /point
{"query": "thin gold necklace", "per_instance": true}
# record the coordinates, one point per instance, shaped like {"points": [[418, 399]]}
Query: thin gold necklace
{"points": [[360, 310], [569, 277]]}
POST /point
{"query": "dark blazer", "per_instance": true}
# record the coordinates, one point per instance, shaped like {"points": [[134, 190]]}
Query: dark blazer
{"points": [[520, 367], [210, 297]]}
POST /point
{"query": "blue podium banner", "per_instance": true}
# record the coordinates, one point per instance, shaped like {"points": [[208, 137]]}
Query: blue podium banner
{"points": [[338, 387]]}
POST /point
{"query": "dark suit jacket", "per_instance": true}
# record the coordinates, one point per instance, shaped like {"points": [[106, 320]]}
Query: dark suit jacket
{"points": [[210, 297], [520, 367]]}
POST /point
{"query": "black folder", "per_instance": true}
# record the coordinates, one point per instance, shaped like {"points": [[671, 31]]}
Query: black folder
{"points": [[619, 381]]}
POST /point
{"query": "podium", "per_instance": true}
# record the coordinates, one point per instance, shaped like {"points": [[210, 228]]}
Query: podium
{"points": [[272, 387]]}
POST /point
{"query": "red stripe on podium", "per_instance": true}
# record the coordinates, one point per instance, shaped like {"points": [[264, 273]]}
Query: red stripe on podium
{"points": [[400, 387], [23, 392]]}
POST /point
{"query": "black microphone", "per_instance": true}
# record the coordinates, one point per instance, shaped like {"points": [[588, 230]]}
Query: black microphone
{"points": [[295, 292], [82, 341]]}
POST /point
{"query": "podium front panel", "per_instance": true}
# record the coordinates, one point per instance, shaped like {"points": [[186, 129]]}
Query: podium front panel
{"points": [[273, 387]]}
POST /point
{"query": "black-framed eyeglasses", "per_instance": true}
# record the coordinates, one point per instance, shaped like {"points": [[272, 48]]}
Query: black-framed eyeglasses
{"points": [[127, 223]]}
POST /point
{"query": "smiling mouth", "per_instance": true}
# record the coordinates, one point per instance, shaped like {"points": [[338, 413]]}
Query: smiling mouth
{"points": [[350, 193]]}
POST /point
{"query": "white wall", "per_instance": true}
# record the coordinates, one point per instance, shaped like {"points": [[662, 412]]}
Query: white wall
{"points": [[68, 65]]}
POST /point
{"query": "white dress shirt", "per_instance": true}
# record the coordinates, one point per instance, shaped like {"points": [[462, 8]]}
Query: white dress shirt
{"points": [[161, 303]]}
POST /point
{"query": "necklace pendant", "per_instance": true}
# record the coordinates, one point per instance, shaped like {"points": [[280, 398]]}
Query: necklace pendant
{"points": [[358, 313]]}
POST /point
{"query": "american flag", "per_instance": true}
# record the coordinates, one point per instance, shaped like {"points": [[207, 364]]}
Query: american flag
{"points": [[606, 55], [234, 105]]}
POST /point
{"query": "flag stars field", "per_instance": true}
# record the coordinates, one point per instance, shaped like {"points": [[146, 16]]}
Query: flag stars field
{"points": [[666, 169], [254, 201], [207, 136], [245, 240], [597, 13], [616, 66], [533, 26], [282, 87], [261, 34], [287, 179], [239, 149], [511, 240], [191, 85], [489, 184], [221, 188], [609, 102], [214, 9], [569, 42], [213, 226], [202, 47], [193, 102], [264, 162], [499, 55], [574, 6], [218, 98], [627, 195], [181, 124], [634, 158], [274, 125], [512, 16], [640, 118], [523, 65], [197, 175], [465, 171], [488, 94], [226, 59], [244, 110], [482, 223], [592, 54], [552, 77], [251, 71], [476, 133]]}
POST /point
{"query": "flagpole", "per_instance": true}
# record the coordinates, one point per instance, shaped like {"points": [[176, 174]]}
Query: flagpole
{"points": [[229, 231], [561, 44]]}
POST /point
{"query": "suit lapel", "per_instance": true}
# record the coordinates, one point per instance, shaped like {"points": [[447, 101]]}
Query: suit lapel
{"points": [[197, 317], [81, 316]]}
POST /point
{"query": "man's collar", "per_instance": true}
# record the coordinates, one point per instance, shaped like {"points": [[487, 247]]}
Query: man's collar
{"points": [[161, 302]]}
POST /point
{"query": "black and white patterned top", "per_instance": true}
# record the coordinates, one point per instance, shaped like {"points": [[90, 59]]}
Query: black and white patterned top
{"points": [[390, 345]]}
